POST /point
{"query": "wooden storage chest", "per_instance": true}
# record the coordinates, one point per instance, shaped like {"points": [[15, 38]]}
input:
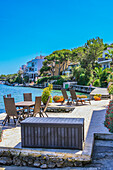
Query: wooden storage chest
{"points": [[52, 132]]}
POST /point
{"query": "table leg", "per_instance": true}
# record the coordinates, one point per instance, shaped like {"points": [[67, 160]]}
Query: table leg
{"points": [[28, 111]]}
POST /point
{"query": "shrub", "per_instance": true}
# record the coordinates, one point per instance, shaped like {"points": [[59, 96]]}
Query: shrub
{"points": [[81, 96], [110, 89], [103, 78], [82, 79], [42, 80], [98, 95], [109, 117], [46, 93], [96, 83]]}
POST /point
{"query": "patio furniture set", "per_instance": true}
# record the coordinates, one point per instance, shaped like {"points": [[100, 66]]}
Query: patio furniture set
{"points": [[73, 98], [26, 108], [45, 132]]}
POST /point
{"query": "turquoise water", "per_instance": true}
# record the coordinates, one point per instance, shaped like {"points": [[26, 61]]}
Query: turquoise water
{"points": [[17, 93]]}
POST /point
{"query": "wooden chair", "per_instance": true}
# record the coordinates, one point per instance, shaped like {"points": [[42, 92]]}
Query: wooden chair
{"points": [[9, 95], [37, 107], [74, 97], [42, 112], [65, 96], [27, 96], [11, 111]]}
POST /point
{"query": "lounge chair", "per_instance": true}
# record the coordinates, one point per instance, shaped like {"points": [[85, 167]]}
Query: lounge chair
{"points": [[74, 97], [11, 111], [27, 96], [65, 96], [43, 111]]}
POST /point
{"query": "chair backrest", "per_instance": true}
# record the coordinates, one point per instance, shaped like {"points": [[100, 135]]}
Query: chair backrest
{"points": [[4, 96], [27, 96], [10, 107], [37, 104], [48, 100], [73, 94], [64, 93], [9, 95]]}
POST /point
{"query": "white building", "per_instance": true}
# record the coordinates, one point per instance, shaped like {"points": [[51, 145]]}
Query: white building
{"points": [[105, 60], [32, 68]]}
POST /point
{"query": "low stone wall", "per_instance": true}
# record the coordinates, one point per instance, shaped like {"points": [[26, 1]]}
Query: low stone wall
{"points": [[59, 109], [28, 158]]}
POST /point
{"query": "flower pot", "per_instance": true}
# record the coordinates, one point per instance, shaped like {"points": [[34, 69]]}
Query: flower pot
{"points": [[98, 99], [60, 100]]}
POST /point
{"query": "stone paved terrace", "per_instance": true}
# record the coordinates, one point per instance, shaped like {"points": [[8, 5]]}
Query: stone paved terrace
{"points": [[12, 134], [94, 116]]}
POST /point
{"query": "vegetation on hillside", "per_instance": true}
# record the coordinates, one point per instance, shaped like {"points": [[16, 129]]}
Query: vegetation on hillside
{"points": [[88, 72]]}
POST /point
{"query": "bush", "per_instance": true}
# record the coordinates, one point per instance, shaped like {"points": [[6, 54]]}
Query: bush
{"points": [[96, 83], [110, 89], [109, 117], [82, 79], [46, 93], [103, 79], [42, 80]]}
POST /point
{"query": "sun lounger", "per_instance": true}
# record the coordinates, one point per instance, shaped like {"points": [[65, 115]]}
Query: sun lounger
{"points": [[74, 97], [65, 96]]}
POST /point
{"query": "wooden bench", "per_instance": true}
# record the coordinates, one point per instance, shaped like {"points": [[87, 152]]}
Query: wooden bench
{"points": [[52, 132]]}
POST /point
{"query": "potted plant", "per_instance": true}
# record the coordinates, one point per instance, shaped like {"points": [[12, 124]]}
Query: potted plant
{"points": [[46, 93], [97, 97], [81, 97], [58, 99]]}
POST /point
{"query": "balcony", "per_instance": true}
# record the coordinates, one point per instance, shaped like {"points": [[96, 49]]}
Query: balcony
{"points": [[104, 60]]}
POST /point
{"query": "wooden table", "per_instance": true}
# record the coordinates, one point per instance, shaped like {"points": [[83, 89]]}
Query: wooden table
{"points": [[26, 104]]}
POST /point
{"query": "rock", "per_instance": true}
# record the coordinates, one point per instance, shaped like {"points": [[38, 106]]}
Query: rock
{"points": [[30, 161], [79, 164], [42, 161], [44, 166], [59, 164], [17, 161], [51, 165], [24, 163], [6, 154], [5, 161], [68, 164], [25, 159], [36, 164]]}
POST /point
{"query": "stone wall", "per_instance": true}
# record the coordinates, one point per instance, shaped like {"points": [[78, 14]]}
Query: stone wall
{"points": [[58, 109], [40, 160]]}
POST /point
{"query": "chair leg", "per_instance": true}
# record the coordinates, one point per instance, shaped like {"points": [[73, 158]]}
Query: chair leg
{"points": [[41, 114], [5, 120], [76, 103], [14, 120], [8, 119], [46, 114]]}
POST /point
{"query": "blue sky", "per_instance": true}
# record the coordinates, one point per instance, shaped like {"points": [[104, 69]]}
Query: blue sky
{"points": [[31, 27]]}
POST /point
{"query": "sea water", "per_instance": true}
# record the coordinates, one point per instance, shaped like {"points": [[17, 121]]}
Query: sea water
{"points": [[17, 93]]}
